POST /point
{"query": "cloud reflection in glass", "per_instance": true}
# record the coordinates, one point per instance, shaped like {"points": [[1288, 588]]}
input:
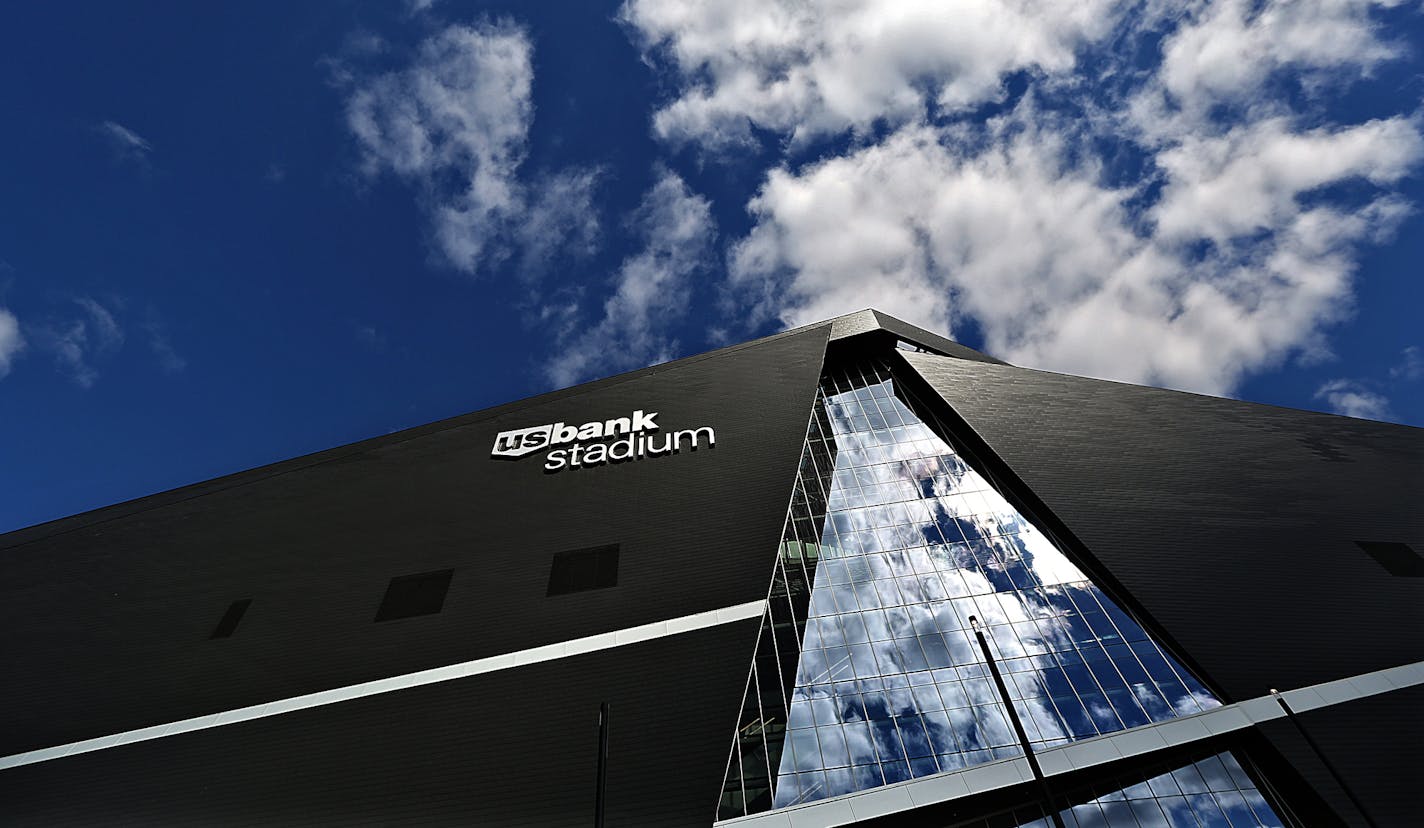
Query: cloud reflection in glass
{"points": [[889, 684]]}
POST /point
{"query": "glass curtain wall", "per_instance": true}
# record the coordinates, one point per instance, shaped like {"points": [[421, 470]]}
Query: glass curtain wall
{"points": [[756, 757], [867, 671], [1212, 792]]}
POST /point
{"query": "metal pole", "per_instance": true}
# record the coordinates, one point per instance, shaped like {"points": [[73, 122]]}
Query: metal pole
{"points": [[602, 764], [1339, 780], [1018, 725]]}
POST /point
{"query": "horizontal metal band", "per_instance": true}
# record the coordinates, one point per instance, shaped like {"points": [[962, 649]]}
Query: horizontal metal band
{"points": [[577, 646], [1087, 753]]}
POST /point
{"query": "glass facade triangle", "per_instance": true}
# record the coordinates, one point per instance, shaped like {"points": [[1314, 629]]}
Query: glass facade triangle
{"points": [[867, 671]]}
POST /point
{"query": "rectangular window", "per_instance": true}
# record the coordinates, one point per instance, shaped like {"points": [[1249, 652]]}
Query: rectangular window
{"points": [[580, 570], [231, 618], [412, 595], [1399, 558]]}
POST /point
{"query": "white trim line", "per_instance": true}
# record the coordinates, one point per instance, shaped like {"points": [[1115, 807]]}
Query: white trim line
{"points": [[944, 787], [577, 646]]}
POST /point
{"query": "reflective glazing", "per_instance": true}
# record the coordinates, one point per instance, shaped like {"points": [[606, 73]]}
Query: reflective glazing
{"points": [[1214, 792], [761, 726], [892, 543]]}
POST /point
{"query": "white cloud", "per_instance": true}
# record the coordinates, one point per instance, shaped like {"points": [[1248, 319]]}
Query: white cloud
{"points": [[1354, 400], [1252, 177], [80, 342], [105, 330], [168, 358], [811, 69], [1366, 398], [12, 342], [1229, 49], [455, 123], [1230, 245], [1004, 226], [560, 208], [806, 69], [908, 223], [1410, 366], [125, 142], [651, 292]]}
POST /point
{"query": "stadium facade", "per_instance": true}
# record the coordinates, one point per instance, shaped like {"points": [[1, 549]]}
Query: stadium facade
{"points": [[854, 573]]}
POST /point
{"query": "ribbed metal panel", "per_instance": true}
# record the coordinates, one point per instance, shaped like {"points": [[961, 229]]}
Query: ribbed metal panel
{"points": [[1230, 527], [1374, 743], [117, 607], [513, 748], [1232, 524]]}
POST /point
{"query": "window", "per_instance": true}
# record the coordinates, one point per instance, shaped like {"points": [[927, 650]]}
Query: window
{"points": [[1398, 558], [1213, 790], [868, 673], [412, 595], [231, 618], [580, 570]]}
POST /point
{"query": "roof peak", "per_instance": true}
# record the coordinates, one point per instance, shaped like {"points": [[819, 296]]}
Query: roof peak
{"points": [[870, 320]]}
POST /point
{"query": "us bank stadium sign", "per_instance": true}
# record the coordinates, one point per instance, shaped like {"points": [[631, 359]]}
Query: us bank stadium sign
{"points": [[618, 440]]}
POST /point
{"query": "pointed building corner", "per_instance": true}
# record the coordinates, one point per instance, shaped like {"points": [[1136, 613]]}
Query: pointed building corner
{"points": [[878, 327], [897, 551], [970, 594]]}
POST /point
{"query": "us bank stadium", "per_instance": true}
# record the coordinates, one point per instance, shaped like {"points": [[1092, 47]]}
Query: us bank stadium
{"points": [[852, 574]]}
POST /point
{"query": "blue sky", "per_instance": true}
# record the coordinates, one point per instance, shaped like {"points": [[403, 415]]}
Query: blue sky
{"points": [[233, 235]]}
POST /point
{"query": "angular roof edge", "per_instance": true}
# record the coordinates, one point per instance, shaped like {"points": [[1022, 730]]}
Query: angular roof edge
{"points": [[254, 474], [871, 320], [837, 328]]}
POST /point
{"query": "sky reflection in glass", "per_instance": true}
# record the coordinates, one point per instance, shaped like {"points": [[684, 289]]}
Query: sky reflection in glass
{"points": [[1213, 792], [890, 684]]}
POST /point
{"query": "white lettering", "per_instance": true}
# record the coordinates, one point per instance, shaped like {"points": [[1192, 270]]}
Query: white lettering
{"points": [[521, 441], [626, 444], [643, 421], [654, 450], [635, 446], [691, 434]]}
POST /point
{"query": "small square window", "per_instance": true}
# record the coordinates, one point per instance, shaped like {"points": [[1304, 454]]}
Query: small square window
{"points": [[580, 570], [412, 595], [1398, 558], [228, 625]]}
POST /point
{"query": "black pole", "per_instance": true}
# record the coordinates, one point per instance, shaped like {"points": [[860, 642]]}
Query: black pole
{"points": [[1018, 725], [1320, 754], [602, 764]]}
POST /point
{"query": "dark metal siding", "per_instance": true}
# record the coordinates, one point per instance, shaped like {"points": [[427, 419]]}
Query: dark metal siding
{"points": [[107, 615], [1232, 524], [920, 336], [1375, 743], [512, 748], [878, 331]]}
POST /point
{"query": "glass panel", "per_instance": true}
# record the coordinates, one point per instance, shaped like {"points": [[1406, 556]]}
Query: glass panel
{"points": [[893, 541], [1149, 798]]}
